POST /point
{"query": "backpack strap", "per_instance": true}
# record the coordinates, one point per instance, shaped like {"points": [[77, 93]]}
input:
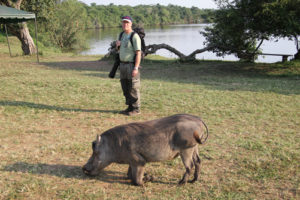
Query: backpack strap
{"points": [[131, 36], [121, 34]]}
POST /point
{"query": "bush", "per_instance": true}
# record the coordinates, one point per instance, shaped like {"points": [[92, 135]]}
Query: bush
{"points": [[2, 37]]}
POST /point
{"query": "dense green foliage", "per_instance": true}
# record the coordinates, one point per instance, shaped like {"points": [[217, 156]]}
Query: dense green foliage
{"points": [[239, 24], [109, 16], [60, 23], [229, 34], [65, 28], [2, 37]]}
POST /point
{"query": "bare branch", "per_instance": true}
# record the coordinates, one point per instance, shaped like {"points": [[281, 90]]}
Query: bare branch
{"points": [[6, 2], [18, 4], [9, 3], [199, 51], [150, 49]]}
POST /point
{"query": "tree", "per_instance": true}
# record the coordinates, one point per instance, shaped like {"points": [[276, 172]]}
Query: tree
{"points": [[239, 24], [67, 24], [20, 30], [281, 19], [45, 10]]}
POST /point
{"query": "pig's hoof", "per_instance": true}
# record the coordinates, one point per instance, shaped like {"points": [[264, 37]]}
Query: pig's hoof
{"points": [[193, 181], [148, 178], [137, 184], [182, 182]]}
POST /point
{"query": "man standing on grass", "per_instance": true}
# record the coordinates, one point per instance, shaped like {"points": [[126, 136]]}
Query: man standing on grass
{"points": [[130, 57]]}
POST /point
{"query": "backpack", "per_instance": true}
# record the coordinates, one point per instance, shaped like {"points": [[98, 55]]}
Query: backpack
{"points": [[141, 34]]}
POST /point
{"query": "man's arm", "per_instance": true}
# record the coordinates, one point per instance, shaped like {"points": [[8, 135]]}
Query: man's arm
{"points": [[137, 63], [138, 59]]}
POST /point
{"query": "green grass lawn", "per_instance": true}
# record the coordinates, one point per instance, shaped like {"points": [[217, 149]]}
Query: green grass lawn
{"points": [[51, 112]]}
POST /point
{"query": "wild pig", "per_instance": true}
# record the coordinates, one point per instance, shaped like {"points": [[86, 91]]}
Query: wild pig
{"points": [[151, 141]]}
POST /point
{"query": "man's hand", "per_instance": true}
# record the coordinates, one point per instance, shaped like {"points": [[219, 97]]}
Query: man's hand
{"points": [[118, 43], [135, 71]]}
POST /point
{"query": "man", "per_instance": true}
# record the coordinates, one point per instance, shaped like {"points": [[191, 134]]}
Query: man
{"points": [[130, 57]]}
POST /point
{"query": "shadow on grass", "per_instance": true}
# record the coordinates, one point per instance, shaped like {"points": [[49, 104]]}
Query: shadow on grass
{"points": [[217, 75], [65, 171], [48, 107], [80, 65], [70, 171], [227, 68]]}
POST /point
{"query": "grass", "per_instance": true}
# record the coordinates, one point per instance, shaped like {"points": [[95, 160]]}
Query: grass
{"points": [[51, 112]]}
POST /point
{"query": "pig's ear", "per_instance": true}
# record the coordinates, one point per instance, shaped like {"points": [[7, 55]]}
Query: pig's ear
{"points": [[98, 138]]}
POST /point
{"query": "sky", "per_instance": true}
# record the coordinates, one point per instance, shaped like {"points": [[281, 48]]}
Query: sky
{"points": [[184, 3]]}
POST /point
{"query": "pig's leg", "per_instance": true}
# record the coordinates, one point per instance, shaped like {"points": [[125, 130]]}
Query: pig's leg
{"points": [[138, 175], [186, 157], [137, 168], [146, 178], [197, 161], [129, 172]]}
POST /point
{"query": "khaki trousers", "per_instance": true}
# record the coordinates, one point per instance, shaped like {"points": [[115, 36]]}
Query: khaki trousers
{"points": [[130, 85]]}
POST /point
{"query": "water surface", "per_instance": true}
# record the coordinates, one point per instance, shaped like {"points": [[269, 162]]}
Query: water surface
{"points": [[186, 39]]}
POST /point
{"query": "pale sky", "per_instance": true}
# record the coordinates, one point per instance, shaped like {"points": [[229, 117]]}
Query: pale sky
{"points": [[184, 3]]}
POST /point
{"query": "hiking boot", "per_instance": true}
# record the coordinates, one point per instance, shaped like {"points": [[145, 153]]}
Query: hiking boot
{"points": [[134, 112], [127, 110]]}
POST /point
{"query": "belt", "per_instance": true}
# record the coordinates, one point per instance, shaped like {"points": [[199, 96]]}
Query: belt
{"points": [[126, 62]]}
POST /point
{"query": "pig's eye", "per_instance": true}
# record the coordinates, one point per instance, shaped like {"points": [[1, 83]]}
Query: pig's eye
{"points": [[94, 145]]}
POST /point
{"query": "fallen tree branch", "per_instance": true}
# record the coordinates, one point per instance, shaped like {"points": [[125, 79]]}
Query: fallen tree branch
{"points": [[151, 49]]}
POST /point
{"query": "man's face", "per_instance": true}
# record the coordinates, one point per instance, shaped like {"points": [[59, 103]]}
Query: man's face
{"points": [[126, 25]]}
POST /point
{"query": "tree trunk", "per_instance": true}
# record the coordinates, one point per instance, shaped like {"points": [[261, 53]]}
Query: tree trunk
{"points": [[20, 30], [22, 33], [28, 46], [297, 55], [297, 42]]}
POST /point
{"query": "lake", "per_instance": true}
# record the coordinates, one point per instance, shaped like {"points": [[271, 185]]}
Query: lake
{"points": [[186, 39]]}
